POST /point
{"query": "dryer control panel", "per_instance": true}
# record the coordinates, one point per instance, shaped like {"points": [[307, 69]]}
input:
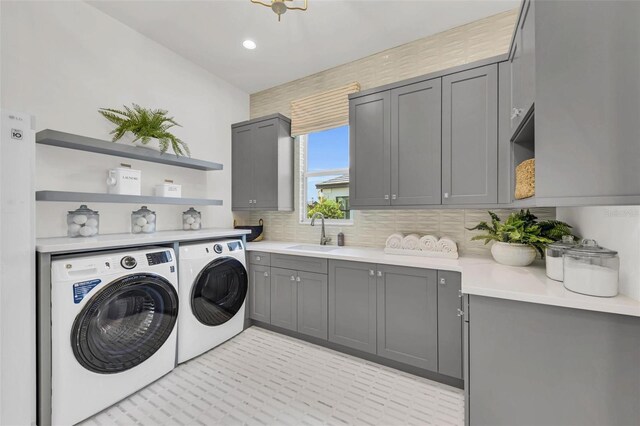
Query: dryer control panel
{"points": [[159, 257]]}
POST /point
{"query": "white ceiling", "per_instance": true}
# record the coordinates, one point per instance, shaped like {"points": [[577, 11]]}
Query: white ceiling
{"points": [[332, 32]]}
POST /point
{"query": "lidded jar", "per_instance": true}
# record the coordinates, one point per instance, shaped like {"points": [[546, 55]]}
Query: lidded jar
{"points": [[143, 220], [191, 220], [591, 269], [553, 255], [83, 222]]}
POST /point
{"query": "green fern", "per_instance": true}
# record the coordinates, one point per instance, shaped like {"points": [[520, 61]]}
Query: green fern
{"points": [[145, 124]]}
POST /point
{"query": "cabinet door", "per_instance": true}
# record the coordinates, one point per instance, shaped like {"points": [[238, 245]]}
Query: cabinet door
{"points": [[470, 137], [284, 298], [242, 168], [260, 293], [408, 316], [312, 304], [265, 165], [523, 66], [370, 150], [416, 141], [449, 324], [352, 305]]}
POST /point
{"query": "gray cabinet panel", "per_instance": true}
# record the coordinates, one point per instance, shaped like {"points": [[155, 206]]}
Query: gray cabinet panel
{"points": [[260, 293], [312, 304], [505, 177], [242, 168], [449, 324], [533, 364], [265, 172], [408, 316], [470, 137], [352, 305], [299, 263], [284, 298], [370, 150], [416, 143]]}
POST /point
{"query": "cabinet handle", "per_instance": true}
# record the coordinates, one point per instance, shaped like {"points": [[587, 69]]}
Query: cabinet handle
{"points": [[443, 281], [446, 195], [459, 293], [298, 279], [258, 258], [515, 113], [393, 197], [380, 273], [293, 278], [266, 274], [371, 272], [250, 201], [254, 201], [386, 197], [460, 312]]}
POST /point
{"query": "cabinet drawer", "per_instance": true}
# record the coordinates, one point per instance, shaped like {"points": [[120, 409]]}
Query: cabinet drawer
{"points": [[299, 263], [259, 258]]}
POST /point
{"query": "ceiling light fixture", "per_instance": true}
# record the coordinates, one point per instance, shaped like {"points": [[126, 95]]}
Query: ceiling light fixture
{"points": [[249, 44], [280, 6]]}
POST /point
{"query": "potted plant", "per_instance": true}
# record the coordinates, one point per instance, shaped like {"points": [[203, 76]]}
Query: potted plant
{"points": [[519, 237], [147, 126]]}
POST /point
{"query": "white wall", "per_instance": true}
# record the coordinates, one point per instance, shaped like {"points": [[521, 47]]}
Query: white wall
{"points": [[61, 61], [616, 228]]}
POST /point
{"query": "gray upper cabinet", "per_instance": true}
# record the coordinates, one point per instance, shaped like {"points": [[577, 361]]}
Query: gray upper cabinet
{"points": [[260, 293], [450, 324], [470, 137], [262, 164], [312, 304], [408, 315], [370, 150], [416, 143], [522, 58], [284, 298], [352, 305]]}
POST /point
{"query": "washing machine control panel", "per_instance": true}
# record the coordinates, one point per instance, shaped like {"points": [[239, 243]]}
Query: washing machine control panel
{"points": [[159, 257], [217, 248], [128, 262], [234, 245]]}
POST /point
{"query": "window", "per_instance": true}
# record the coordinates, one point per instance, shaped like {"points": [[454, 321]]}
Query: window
{"points": [[324, 180]]}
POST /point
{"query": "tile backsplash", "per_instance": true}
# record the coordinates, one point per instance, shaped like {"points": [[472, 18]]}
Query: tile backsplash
{"points": [[372, 227]]}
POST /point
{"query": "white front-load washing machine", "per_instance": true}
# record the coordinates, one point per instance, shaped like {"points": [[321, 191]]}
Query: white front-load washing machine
{"points": [[213, 292], [113, 331]]}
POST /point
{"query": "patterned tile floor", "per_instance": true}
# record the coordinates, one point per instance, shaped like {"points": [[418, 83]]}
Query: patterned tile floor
{"points": [[264, 378]]}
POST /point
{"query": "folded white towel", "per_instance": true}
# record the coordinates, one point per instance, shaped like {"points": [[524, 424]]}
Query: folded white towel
{"points": [[411, 242], [394, 241], [446, 245], [428, 243]]}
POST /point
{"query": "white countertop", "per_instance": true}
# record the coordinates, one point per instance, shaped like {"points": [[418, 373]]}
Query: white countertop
{"points": [[481, 276], [68, 245]]}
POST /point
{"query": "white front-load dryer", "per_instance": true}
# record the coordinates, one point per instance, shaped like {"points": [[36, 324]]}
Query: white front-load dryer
{"points": [[113, 318], [213, 293]]}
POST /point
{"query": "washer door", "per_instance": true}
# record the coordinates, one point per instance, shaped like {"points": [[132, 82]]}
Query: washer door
{"points": [[219, 291], [125, 323]]}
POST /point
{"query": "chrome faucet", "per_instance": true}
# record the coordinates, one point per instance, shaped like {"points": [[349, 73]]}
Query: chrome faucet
{"points": [[323, 237]]}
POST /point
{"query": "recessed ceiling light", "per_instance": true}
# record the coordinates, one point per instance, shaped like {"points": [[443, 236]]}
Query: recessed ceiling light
{"points": [[249, 44]]}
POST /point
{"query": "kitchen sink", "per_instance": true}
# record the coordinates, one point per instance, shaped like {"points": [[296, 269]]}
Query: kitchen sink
{"points": [[312, 247]]}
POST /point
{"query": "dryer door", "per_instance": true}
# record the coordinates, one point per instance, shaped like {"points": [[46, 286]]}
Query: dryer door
{"points": [[125, 323], [219, 291]]}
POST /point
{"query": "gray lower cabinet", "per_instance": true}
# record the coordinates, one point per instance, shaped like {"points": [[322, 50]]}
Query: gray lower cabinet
{"points": [[470, 136], [450, 321], [260, 293], [352, 305], [408, 315], [416, 143], [532, 364], [312, 304], [284, 298], [370, 150]]}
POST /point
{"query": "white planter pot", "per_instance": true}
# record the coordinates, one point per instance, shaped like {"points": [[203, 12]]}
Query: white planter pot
{"points": [[513, 254], [153, 144]]}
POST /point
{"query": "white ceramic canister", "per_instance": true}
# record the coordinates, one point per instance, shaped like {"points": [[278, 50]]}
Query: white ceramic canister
{"points": [[591, 269], [124, 180], [554, 257], [168, 189]]}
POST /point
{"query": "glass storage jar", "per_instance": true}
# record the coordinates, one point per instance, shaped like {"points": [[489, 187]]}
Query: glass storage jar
{"points": [[83, 222], [591, 269], [553, 256], [191, 220], [143, 220]]}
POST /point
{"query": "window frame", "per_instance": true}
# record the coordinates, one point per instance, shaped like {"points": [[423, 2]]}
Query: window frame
{"points": [[304, 175]]}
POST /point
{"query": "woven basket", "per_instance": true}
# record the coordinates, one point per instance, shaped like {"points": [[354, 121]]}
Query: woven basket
{"points": [[526, 179]]}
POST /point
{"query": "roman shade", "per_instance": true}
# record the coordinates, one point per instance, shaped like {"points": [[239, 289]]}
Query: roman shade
{"points": [[322, 111]]}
